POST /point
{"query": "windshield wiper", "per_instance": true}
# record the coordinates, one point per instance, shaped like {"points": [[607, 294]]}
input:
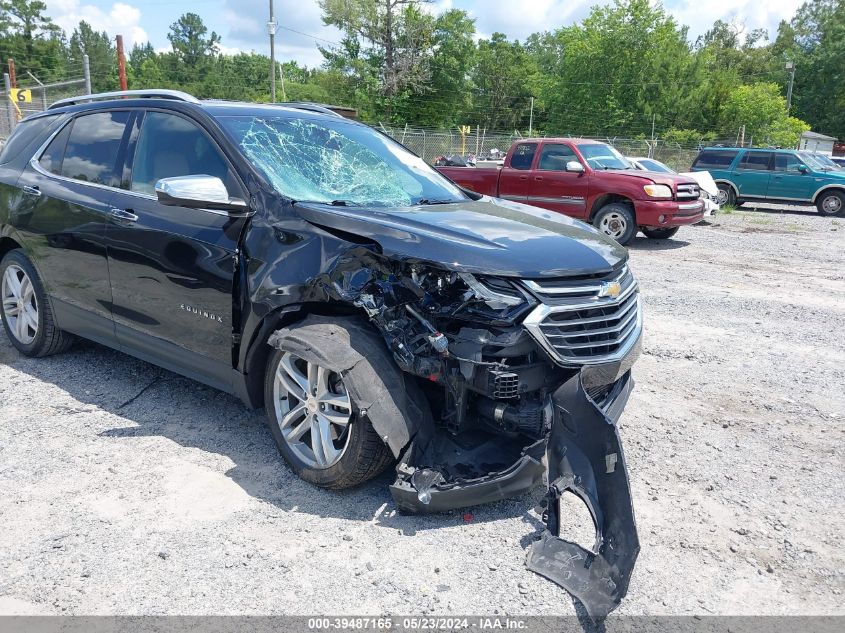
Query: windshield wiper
{"points": [[426, 201], [334, 203]]}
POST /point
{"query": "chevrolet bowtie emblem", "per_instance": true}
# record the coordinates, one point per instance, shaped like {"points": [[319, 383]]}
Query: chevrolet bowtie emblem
{"points": [[610, 289]]}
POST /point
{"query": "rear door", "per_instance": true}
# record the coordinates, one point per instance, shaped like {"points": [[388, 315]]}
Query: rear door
{"points": [[67, 190], [554, 188], [515, 176], [787, 181], [751, 175], [172, 268]]}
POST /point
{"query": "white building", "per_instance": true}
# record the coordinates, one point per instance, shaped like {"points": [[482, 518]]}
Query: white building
{"points": [[815, 142]]}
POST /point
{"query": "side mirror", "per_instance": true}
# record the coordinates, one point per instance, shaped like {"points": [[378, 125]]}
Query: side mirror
{"points": [[803, 169], [197, 192], [574, 166]]}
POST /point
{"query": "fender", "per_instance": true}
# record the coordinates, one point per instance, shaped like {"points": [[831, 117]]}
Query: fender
{"points": [[838, 187], [727, 182]]}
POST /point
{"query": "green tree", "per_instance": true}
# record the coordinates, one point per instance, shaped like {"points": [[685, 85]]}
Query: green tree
{"points": [[448, 100], [626, 65], [386, 48], [188, 38], [817, 43], [101, 56], [32, 39], [761, 109], [502, 78]]}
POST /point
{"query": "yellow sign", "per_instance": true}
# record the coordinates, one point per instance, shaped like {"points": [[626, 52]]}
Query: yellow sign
{"points": [[21, 95]]}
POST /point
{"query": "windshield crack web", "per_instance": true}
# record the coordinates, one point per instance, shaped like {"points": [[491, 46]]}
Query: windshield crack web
{"points": [[306, 161]]}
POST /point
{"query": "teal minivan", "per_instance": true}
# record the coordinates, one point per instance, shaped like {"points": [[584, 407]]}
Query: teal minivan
{"points": [[773, 175]]}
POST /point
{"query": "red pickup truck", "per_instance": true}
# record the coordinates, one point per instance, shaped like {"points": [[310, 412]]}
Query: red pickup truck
{"points": [[591, 181]]}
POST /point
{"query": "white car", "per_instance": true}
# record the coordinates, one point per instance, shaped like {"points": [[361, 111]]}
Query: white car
{"points": [[705, 181]]}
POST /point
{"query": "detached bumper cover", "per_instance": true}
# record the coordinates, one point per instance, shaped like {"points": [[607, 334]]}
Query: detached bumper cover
{"points": [[585, 458]]}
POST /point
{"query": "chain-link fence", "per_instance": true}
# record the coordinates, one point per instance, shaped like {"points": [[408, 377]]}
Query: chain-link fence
{"points": [[30, 95], [431, 144]]}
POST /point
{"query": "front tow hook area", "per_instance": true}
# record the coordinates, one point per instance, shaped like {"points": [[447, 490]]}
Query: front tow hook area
{"points": [[585, 458]]}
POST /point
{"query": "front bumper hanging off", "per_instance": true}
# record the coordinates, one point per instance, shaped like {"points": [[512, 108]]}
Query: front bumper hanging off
{"points": [[583, 456]]}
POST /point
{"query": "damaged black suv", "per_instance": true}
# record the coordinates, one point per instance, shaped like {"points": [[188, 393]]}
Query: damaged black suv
{"points": [[311, 265]]}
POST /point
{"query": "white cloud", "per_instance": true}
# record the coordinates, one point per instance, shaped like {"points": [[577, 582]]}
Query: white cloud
{"points": [[700, 16], [300, 31], [121, 18]]}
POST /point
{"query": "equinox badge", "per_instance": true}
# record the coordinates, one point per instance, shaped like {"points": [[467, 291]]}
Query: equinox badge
{"points": [[203, 313]]}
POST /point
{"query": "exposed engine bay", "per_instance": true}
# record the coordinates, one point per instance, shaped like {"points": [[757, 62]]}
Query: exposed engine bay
{"points": [[507, 415]]}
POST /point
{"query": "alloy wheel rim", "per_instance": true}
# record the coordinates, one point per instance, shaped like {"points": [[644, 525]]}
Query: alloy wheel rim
{"points": [[20, 306], [722, 197], [832, 204], [313, 411], [614, 225]]}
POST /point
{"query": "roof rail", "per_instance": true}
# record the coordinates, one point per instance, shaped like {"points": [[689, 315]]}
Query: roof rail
{"points": [[176, 95], [312, 107]]}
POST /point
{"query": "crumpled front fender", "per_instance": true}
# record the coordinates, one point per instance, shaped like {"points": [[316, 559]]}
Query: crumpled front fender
{"points": [[585, 458]]}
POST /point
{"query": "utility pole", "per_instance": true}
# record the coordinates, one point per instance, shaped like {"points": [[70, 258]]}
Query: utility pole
{"points": [[790, 66], [742, 136], [271, 29], [121, 63], [531, 118], [651, 147], [12, 76], [86, 72]]}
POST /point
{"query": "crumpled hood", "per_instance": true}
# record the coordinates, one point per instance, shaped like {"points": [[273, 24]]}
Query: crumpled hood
{"points": [[488, 236]]}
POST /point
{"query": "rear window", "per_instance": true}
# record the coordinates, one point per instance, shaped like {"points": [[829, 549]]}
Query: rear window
{"points": [[714, 159], [25, 133], [756, 161]]}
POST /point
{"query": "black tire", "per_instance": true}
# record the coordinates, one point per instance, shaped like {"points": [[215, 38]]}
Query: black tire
{"points": [[831, 203], [726, 195], [329, 343], [660, 234], [48, 338], [616, 220]]}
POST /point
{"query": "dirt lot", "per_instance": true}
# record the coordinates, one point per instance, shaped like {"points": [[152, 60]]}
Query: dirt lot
{"points": [[125, 489]]}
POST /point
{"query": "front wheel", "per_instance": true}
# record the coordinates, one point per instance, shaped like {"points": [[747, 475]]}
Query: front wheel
{"points": [[831, 203], [616, 220], [317, 406], [660, 234], [726, 195]]}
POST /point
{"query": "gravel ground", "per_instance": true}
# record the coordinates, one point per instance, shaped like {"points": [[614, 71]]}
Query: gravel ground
{"points": [[125, 489]]}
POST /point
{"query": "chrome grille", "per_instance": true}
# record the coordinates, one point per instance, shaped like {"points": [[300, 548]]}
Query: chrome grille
{"points": [[688, 192], [577, 324]]}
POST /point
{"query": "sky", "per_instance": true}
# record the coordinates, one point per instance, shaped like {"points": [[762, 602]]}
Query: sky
{"points": [[242, 23]]}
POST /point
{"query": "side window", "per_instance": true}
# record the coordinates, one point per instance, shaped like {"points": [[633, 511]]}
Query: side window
{"points": [[25, 133], [93, 146], [787, 162], [758, 161], [523, 155], [51, 159], [169, 145], [554, 156], [714, 160]]}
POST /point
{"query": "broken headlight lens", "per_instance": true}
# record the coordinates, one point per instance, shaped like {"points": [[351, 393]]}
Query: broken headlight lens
{"points": [[498, 294]]}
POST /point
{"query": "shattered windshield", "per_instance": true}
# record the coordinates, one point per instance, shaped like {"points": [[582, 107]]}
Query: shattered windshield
{"points": [[602, 156], [337, 162]]}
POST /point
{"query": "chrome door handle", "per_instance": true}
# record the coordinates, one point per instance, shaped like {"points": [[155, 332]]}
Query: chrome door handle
{"points": [[32, 191], [123, 215]]}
